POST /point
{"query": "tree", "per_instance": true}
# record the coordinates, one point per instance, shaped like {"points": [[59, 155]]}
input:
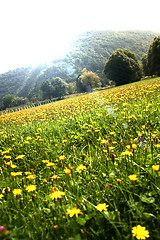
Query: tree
{"points": [[59, 87], [7, 100], [153, 57], [90, 80], [123, 67], [46, 89]]}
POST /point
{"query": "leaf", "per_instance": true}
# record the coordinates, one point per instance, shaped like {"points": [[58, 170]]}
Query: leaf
{"points": [[146, 199], [109, 215], [81, 221], [148, 215]]}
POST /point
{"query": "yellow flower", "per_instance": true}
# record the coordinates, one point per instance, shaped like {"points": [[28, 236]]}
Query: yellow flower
{"points": [[133, 177], [119, 180], [27, 173], [104, 141], [54, 177], [155, 168], [7, 157], [62, 157], [140, 232], [17, 191], [81, 167], [56, 194], [67, 171], [45, 161], [20, 156], [134, 146], [13, 166], [31, 188], [50, 164], [1, 196], [14, 174], [28, 138], [112, 133], [127, 153], [9, 163], [31, 177], [111, 148], [74, 211], [157, 145], [143, 127], [102, 206]]}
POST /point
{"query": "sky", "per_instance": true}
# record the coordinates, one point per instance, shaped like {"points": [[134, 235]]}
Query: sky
{"points": [[38, 31]]}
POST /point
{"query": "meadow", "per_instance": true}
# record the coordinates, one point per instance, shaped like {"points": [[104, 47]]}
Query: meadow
{"points": [[83, 168]]}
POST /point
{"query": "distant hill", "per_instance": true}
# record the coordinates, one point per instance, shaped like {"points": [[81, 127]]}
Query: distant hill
{"points": [[90, 50]]}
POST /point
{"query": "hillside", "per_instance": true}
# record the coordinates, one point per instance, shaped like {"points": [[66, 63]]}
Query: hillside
{"points": [[90, 51]]}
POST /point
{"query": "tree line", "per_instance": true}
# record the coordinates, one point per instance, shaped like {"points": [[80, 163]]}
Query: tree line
{"points": [[121, 67]]}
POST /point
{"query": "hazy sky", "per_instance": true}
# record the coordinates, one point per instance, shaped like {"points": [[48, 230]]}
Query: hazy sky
{"points": [[36, 31]]}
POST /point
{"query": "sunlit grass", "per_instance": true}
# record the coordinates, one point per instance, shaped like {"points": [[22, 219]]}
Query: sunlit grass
{"points": [[83, 168]]}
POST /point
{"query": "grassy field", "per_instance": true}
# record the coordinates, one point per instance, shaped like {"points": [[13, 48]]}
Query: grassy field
{"points": [[83, 168]]}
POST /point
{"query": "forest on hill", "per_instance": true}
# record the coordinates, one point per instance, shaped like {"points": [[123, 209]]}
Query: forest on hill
{"points": [[89, 51]]}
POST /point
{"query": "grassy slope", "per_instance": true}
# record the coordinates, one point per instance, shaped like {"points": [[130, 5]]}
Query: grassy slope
{"points": [[113, 134]]}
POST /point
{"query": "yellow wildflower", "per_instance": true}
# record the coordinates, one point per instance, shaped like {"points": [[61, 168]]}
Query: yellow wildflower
{"points": [[17, 191], [31, 188], [140, 232], [20, 156], [102, 206], [155, 168], [74, 211], [67, 171], [133, 177], [56, 194], [50, 164], [31, 177], [61, 157], [81, 167], [54, 177], [1, 196]]}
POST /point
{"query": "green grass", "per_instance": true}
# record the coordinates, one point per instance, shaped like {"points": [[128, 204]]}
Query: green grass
{"points": [[111, 134]]}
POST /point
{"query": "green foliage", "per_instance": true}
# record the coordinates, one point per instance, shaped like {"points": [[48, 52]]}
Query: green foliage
{"points": [[102, 139], [59, 87], [54, 88], [90, 51], [152, 61], [7, 100], [12, 101], [122, 67], [90, 80]]}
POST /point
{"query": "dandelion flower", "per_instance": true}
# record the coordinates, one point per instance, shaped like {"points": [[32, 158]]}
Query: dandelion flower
{"points": [[17, 191], [45, 161], [157, 145], [56, 194], [133, 177], [119, 180], [74, 211], [67, 171], [102, 206], [1, 196], [20, 156], [81, 167], [140, 232], [31, 177], [55, 177], [62, 157], [50, 164], [31, 188], [155, 168]]}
